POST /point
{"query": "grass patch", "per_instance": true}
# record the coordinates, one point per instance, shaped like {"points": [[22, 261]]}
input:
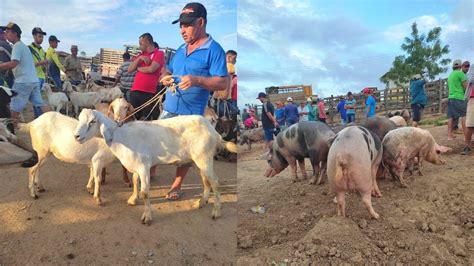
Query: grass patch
{"points": [[440, 121]]}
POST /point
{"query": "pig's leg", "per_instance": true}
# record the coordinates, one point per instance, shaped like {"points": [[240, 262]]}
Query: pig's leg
{"points": [[303, 169], [292, 163], [322, 173], [341, 204], [420, 161], [411, 167], [401, 169], [316, 171], [375, 188], [367, 200]]}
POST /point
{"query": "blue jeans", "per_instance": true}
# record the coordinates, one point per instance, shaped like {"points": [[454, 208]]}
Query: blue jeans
{"points": [[57, 82], [36, 109], [351, 118]]}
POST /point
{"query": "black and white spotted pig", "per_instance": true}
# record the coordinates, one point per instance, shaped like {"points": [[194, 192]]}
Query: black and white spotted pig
{"points": [[306, 139]]}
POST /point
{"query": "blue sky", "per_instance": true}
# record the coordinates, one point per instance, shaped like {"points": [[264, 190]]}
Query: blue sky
{"points": [[338, 46], [93, 24]]}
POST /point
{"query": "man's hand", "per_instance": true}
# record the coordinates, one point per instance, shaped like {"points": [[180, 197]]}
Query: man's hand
{"points": [[187, 82], [167, 80], [145, 59]]}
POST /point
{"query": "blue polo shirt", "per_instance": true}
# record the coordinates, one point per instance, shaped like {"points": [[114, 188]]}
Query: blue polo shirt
{"points": [[206, 61]]}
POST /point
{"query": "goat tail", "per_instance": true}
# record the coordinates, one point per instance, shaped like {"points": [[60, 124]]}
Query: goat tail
{"points": [[228, 145], [24, 127]]}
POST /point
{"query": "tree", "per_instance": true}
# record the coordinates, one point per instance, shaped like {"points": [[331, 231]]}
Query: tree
{"points": [[424, 54], [83, 53]]}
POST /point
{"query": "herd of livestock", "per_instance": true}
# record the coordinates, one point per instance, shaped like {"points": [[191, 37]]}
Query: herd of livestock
{"points": [[353, 157], [100, 136]]}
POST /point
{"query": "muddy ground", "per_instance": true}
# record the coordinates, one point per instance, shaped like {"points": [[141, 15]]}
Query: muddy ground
{"points": [[431, 222], [65, 226]]}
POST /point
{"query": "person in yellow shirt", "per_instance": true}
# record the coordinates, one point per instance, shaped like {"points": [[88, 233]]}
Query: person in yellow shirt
{"points": [[39, 59], [54, 64]]}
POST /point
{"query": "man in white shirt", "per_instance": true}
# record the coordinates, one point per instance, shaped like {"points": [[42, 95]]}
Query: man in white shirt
{"points": [[303, 111]]}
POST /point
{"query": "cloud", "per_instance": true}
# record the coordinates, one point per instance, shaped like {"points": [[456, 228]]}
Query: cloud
{"points": [[156, 11]]}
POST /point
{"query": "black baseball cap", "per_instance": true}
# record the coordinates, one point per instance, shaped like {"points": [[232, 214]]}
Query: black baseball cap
{"points": [[53, 38], [191, 12], [38, 30], [11, 26], [262, 95]]}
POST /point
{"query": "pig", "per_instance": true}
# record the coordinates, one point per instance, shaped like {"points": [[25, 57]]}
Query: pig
{"points": [[251, 135], [353, 160], [406, 114], [399, 121], [306, 139], [402, 145], [380, 125]]}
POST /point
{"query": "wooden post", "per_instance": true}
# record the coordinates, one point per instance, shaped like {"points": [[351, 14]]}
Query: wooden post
{"points": [[440, 108]]}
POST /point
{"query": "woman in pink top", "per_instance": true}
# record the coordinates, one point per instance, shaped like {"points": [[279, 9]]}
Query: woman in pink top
{"points": [[322, 111]]}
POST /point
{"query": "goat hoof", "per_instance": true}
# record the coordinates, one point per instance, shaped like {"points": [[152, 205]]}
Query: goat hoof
{"points": [[376, 216], [146, 219], [35, 197], [216, 214], [198, 204], [132, 201], [41, 190]]}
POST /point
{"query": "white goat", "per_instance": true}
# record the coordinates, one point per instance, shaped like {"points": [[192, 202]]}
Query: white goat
{"points": [[53, 133], [83, 99], [140, 145], [56, 99]]}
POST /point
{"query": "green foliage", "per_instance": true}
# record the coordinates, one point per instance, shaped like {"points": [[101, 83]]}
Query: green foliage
{"points": [[424, 54]]}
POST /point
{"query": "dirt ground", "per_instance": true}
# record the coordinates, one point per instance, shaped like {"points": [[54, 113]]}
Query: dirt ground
{"points": [[65, 226], [431, 222]]}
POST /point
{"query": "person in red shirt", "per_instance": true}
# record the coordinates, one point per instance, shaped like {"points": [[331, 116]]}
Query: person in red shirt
{"points": [[322, 111], [148, 65]]}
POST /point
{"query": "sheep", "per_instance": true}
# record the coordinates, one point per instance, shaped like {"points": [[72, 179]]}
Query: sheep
{"points": [[83, 99], [110, 94], [139, 145], [117, 110], [53, 133], [56, 99]]}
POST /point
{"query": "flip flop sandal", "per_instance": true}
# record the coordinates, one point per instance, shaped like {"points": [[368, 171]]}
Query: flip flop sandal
{"points": [[174, 195]]}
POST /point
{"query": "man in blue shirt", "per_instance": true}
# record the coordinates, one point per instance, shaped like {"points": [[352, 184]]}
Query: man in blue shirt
{"points": [[198, 67], [341, 110], [418, 97], [370, 103], [291, 112]]}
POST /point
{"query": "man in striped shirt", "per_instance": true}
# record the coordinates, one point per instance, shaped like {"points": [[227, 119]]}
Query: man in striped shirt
{"points": [[125, 78]]}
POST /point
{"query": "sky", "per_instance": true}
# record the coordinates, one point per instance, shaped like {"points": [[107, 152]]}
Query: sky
{"points": [[94, 24], [338, 46]]}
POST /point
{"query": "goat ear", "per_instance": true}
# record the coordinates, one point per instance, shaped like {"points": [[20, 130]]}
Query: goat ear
{"points": [[107, 134]]}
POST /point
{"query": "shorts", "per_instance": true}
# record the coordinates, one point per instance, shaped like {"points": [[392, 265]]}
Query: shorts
{"points": [[137, 98], [470, 113], [268, 134], [456, 108], [25, 92], [417, 111]]}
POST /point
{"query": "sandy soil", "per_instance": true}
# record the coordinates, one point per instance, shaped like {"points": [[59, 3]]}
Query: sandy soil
{"points": [[65, 226], [430, 222]]}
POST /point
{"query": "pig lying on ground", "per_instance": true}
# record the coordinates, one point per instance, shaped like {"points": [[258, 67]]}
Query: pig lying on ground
{"points": [[251, 135], [306, 139], [353, 160], [399, 121], [402, 145]]}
